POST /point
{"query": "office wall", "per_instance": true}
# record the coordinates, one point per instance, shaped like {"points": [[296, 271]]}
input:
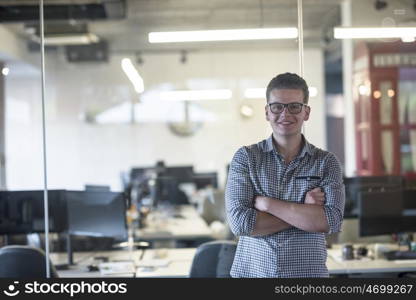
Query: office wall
{"points": [[80, 153]]}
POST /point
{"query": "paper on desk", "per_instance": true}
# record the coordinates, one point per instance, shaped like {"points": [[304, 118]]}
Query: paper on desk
{"points": [[157, 263], [119, 267]]}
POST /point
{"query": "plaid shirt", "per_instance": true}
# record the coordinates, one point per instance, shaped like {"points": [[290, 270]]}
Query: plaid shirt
{"points": [[260, 170]]}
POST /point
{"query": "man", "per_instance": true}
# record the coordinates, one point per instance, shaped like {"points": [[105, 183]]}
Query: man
{"points": [[283, 194]]}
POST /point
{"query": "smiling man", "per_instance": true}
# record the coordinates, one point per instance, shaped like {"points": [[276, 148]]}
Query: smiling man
{"points": [[283, 194]]}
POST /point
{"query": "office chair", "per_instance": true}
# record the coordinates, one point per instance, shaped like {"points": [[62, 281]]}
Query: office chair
{"points": [[24, 262], [213, 259]]}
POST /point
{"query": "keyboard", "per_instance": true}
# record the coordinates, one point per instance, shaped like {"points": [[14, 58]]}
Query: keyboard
{"points": [[397, 255]]}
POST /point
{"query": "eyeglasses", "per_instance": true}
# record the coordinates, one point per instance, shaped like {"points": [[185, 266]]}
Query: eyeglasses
{"points": [[294, 107]]}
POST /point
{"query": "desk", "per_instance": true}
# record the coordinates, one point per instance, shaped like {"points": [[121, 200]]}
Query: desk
{"points": [[367, 266], [178, 264], [183, 223], [179, 261]]}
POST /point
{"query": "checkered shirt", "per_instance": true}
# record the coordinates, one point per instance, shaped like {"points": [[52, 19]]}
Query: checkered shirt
{"points": [[260, 170]]}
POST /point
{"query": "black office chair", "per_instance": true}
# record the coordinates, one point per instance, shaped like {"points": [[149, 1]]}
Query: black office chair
{"points": [[213, 259], [24, 262]]}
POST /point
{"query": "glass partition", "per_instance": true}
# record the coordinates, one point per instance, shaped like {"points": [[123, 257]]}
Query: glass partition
{"points": [[21, 166], [120, 104], [128, 114]]}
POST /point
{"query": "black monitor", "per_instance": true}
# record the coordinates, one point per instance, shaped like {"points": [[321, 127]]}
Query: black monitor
{"points": [[356, 185], [181, 174], [97, 188], [409, 211], [380, 212], [166, 189], [202, 180], [166, 192], [22, 212], [139, 173], [100, 214]]}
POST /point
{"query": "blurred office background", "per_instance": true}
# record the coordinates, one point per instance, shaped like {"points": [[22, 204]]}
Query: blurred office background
{"points": [[104, 129]]}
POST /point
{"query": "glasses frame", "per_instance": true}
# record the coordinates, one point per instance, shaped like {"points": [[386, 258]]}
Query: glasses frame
{"points": [[286, 106]]}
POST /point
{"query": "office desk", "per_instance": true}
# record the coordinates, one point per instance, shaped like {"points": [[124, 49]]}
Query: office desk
{"points": [[182, 224], [368, 266], [175, 263]]}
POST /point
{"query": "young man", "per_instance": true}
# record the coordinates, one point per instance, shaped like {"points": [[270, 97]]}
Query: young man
{"points": [[283, 194]]}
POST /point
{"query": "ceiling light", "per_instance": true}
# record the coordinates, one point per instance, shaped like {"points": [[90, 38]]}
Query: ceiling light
{"points": [[132, 74], [374, 32], [69, 39], [221, 94], [255, 93], [5, 71], [223, 35]]}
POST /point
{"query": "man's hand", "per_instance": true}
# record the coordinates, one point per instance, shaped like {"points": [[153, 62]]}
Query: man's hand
{"points": [[315, 196], [262, 203]]}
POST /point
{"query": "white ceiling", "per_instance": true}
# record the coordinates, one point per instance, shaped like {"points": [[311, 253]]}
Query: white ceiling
{"points": [[144, 16]]}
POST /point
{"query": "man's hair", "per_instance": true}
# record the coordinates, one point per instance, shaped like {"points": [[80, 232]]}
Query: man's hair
{"points": [[288, 81]]}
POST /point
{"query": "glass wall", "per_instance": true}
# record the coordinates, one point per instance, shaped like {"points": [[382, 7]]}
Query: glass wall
{"points": [[21, 162], [117, 105]]}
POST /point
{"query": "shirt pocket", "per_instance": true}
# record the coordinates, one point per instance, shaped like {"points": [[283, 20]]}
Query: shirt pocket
{"points": [[306, 182]]}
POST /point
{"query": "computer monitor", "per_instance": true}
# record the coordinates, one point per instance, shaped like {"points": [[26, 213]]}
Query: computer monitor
{"points": [[202, 180], [380, 212], [97, 188], [139, 173], [100, 214], [356, 185], [409, 211], [166, 192], [22, 212], [182, 174]]}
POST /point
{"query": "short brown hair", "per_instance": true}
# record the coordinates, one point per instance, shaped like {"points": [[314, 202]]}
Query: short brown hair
{"points": [[288, 81]]}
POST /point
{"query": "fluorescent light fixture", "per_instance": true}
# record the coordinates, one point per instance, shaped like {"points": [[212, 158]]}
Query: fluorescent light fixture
{"points": [[374, 32], [260, 93], [255, 93], [221, 94], [69, 39], [223, 35], [132, 74], [153, 112], [5, 71]]}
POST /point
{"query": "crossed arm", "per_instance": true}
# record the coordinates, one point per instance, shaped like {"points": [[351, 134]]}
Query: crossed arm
{"points": [[274, 215], [251, 215]]}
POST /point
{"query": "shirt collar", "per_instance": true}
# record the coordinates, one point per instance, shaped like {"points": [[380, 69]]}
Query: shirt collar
{"points": [[269, 146]]}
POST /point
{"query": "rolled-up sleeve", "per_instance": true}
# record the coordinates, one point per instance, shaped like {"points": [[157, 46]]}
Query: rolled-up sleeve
{"points": [[334, 193], [239, 195]]}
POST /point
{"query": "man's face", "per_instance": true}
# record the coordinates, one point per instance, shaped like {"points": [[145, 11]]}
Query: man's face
{"points": [[286, 123]]}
